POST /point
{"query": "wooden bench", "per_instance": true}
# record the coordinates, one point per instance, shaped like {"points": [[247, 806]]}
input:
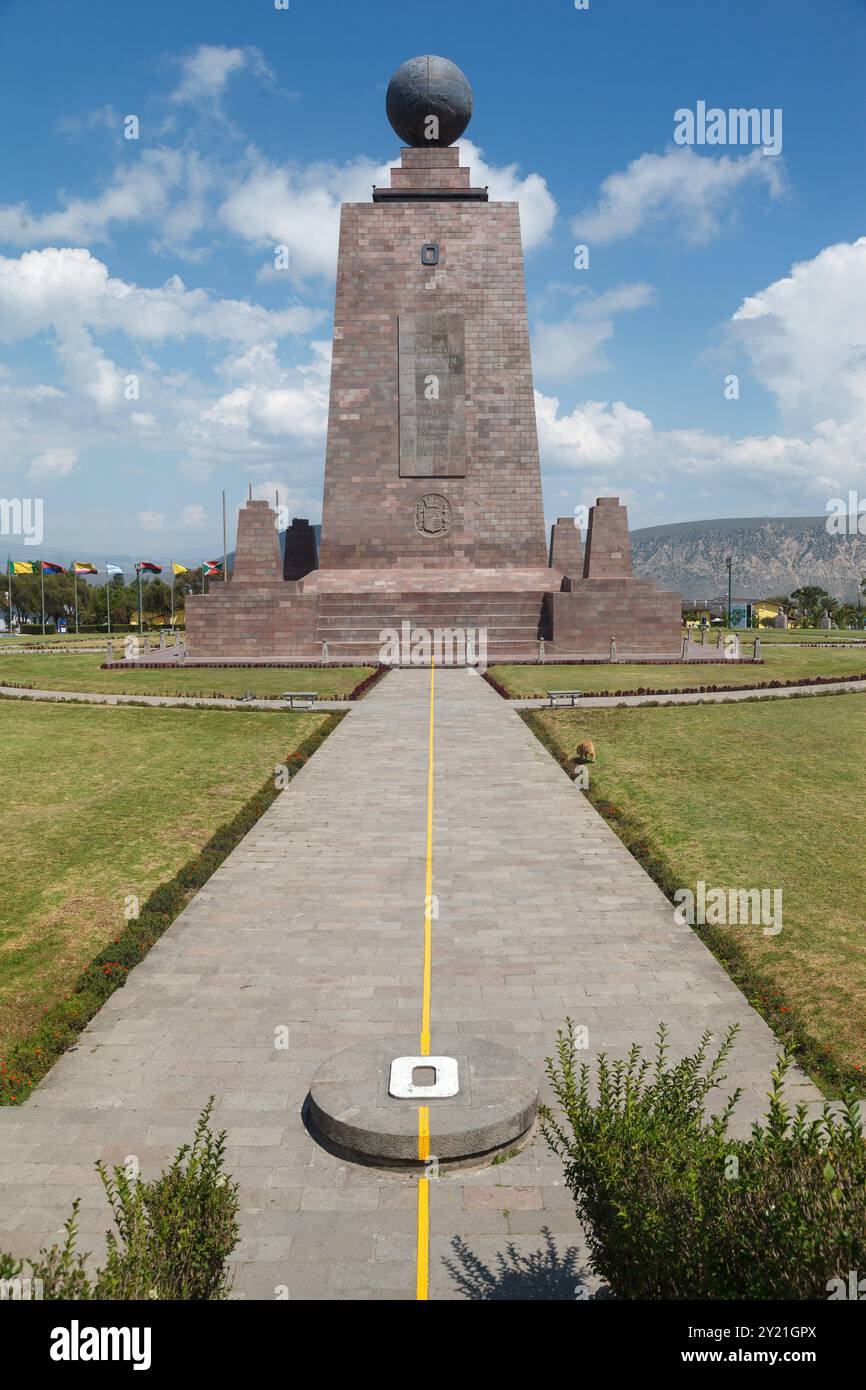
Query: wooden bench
{"points": [[308, 697], [563, 697]]}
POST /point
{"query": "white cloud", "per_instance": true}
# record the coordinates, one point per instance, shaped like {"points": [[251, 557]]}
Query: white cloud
{"points": [[805, 334], [54, 463], [573, 345], [139, 193], [273, 403], [205, 73], [101, 117], [190, 517], [298, 206], [243, 411], [506, 185], [690, 191], [67, 289], [805, 339], [605, 446]]}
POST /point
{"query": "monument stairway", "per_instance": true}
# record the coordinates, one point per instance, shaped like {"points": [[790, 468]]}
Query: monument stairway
{"points": [[355, 626]]}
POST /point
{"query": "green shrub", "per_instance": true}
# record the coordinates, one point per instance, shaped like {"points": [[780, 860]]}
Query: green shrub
{"points": [[674, 1207], [173, 1235]]}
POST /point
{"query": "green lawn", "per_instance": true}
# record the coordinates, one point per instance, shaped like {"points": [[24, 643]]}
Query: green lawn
{"points": [[790, 664], [81, 671], [759, 795], [104, 801]]}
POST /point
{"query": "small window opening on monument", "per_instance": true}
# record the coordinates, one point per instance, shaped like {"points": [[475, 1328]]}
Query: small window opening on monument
{"points": [[430, 253], [424, 1076]]}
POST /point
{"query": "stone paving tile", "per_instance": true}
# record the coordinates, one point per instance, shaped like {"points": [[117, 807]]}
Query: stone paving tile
{"points": [[315, 923]]}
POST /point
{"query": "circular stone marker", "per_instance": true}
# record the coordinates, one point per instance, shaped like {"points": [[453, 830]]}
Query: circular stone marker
{"points": [[351, 1108]]}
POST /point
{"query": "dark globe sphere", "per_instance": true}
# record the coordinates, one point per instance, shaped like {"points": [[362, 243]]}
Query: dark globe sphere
{"points": [[426, 87]]}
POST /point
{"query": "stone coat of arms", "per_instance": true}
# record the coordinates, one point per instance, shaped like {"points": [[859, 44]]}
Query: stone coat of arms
{"points": [[432, 515]]}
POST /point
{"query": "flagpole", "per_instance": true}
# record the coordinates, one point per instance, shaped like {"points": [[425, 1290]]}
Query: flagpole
{"points": [[9, 591], [225, 552], [140, 613], [42, 586], [75, 576], [108, 595], [171, 570]]}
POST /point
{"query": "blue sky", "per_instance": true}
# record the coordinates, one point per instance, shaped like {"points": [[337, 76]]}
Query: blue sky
{"points": [[153, 258]]}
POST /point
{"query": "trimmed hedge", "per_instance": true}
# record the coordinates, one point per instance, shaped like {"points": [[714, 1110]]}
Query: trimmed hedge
{"points": [[368, 682], [60, 1026]]}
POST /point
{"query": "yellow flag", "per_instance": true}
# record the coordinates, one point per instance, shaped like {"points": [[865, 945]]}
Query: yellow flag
{"points": [[178, 569]]}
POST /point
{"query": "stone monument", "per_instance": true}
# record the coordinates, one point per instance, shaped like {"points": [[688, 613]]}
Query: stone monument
{"points": [[432, 508]]}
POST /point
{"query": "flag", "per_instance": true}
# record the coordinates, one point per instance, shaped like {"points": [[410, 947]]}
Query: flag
{"points": [[83, 567], [149, 566], [178, 569], [23, 567], [211, 568], [112, 569], [48, 567]]}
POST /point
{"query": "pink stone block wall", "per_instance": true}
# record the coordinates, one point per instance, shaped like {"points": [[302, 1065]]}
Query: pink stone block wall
{"points": [[369, 510], [608, 548]]}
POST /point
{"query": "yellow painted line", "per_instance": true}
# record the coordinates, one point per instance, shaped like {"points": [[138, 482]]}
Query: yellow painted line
{"points": [[422, 1264], [423, 1260], [428, 889], [423, 1132]]}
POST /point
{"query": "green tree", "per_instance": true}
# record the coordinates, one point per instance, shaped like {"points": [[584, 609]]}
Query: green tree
{"points": [[811, 603]]}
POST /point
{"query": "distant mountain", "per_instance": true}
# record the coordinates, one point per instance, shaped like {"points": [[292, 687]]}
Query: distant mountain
{"points": [[772, 555]]}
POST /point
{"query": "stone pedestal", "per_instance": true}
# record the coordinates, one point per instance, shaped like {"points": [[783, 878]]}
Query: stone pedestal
{"points": [[608, 549], [608, 603], [566, 547], [299, 556]]}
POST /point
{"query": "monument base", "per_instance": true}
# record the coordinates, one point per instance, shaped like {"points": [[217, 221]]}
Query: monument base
{"points": [[349, 615]]}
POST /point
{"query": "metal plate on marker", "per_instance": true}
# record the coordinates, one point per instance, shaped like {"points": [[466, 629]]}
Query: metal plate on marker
{"points": [[401, 1084]]}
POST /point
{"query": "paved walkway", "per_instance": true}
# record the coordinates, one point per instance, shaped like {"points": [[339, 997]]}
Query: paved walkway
{"points": [[193, 701], [593, 701], [713, 697], [315, 922]]}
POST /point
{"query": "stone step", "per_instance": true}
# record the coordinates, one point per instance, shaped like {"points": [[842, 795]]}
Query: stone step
{"points": [[374, 621], [368, 652]]}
